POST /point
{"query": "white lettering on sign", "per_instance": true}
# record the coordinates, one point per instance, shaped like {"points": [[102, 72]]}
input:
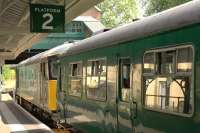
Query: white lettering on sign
{"points": [[45, 25], [51, 10]]}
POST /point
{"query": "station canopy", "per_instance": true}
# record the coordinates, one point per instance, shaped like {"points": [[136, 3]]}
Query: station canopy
{"points": [[15, 36]]}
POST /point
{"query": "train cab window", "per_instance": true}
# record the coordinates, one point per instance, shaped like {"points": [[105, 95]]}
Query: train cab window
{"points": [[169, 89], [124, 77], [53, 69], [96, 79], [75, 79]]}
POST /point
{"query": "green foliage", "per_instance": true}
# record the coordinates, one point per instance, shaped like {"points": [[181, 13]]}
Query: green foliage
{"points": [[155, 6], [117, 12], [7, 73]]}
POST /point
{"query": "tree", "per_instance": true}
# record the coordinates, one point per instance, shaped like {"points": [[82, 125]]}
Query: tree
{"points": [[117, 12], [155, 6], [7, 72]]}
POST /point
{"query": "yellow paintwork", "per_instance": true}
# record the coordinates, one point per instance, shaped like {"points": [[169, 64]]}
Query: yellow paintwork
{"points": [[61, 131], [52, 85]]}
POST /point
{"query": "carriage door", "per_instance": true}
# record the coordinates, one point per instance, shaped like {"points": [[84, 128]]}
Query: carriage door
{"points": [[123, 100]]}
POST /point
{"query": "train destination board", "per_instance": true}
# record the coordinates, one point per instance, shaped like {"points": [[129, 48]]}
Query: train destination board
{"points": [[47, 18]]}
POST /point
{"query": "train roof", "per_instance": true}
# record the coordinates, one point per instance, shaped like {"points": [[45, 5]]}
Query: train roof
{"points": [[171, 19], [54, 52]]}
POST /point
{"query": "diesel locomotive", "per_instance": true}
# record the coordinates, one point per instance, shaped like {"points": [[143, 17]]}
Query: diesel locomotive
{"points": [[36, 82]]}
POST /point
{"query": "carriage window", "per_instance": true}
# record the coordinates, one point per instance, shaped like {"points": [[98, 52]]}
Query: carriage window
{"points": [[184, 60], [149, 62], [96, 68], [75, 79], [96, 79], [76, 69], [165, 62], [168, 90], [124, 76]]}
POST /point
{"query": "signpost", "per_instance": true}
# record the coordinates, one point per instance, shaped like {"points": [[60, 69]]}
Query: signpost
{"points": [[47, 18]]}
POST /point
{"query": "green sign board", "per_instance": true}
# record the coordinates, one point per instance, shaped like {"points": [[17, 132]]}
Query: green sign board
{"points": [[47, 18]]}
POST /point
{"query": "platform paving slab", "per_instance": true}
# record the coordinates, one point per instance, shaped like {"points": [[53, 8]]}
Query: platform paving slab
{"points": [[15, 119]]}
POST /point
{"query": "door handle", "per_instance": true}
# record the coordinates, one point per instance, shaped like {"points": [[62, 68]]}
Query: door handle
{"points": [[135, 112], [106, 110]]}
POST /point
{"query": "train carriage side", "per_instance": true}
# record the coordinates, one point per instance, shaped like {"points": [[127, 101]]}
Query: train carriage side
{"points": [[148, 84], [87, 96], [36, 87], [145, 85]]}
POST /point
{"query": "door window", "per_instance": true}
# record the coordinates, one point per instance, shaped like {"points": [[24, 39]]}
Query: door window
{"points": [[124, 77]]}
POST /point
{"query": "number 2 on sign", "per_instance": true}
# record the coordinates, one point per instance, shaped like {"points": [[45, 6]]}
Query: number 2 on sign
{"points": [[45, 25]]}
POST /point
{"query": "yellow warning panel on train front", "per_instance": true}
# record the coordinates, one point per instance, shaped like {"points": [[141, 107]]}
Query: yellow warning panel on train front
{"points": [[61, 131], [52, 84]]}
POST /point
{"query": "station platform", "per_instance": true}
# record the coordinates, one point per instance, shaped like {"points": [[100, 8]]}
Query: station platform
{"points": [[14, 119]]}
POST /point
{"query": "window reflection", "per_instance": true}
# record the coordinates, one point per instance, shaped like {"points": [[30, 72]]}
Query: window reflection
{"points": [[124, 79], [54, 69], [96, 79], [75, 79], [184, 60], [166, 94], [75, 88], [165, 62], [76, 69], [149, 61], [167, 89]]}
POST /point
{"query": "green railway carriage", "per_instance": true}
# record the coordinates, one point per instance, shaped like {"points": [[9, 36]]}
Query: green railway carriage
{"points": [[142, 77], [37, 82]]}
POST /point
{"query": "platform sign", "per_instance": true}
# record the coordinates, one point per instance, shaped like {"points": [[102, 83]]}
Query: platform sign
{"points": [[47, 18]]}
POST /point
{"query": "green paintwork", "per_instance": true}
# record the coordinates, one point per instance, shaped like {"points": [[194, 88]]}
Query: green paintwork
{"points": [[112, 115]]}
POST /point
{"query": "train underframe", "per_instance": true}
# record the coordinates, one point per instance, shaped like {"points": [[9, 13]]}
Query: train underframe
{"points": [[49, 118]]}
